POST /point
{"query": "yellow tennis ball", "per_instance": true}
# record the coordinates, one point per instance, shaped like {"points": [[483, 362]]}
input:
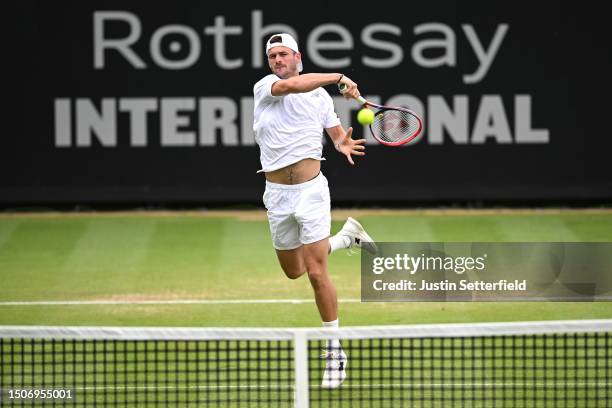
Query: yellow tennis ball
{"points": [[365, 116]]}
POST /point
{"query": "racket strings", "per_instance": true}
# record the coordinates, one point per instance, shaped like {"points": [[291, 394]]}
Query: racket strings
{"points": [[395, 126]]}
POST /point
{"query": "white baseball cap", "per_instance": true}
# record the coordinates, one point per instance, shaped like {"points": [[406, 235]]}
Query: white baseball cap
{"points": [[286, 40]]}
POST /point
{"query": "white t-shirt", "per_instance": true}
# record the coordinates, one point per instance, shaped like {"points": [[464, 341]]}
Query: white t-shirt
{"points": [[289, 128]]}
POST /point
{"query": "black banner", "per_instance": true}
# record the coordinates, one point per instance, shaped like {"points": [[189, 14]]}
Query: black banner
{"points": [[142, 102]]}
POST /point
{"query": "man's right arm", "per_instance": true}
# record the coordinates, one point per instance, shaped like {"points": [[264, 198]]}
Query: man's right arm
{"points": [[310, 82]]}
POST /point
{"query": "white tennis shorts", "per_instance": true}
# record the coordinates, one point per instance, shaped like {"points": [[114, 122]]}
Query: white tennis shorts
{"points": [[298, 213]]}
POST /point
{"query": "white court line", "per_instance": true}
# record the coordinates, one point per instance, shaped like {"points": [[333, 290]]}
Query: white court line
{"points": [[185, 387], [166, 302], [545, 385], [480, 385]]}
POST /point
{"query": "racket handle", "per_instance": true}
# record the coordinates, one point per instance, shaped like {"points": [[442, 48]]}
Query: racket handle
{"points": [[360, 99]]}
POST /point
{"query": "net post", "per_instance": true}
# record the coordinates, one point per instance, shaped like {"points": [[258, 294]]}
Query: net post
{"points": [[300, 355]]}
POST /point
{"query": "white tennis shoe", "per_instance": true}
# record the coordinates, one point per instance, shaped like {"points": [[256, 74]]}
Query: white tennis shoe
{"points": [[358, 236], [335, 369]]}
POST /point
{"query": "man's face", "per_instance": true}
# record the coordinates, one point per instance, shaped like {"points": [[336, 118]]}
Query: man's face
{"points": [[283, 61]]}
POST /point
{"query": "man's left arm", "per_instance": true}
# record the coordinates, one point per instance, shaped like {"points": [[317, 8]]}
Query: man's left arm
{"points": [[345, 144]]}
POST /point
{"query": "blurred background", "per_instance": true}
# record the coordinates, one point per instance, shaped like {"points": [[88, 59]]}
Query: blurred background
{"points": [[150, 103]]}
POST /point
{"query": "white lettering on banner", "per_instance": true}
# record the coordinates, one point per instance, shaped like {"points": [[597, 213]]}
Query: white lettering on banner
{"points": [[171, 120], [219, 114], [485, 58], [447, 44], [219, 30], [175, 46], [397, 54], [247, 135], [491, 121], [222, 121], [63, 123], [138, 109], [102, 123], [121, 45], [260, 34], [522, 122], [327, 45], [315, 44], [454, 120]]}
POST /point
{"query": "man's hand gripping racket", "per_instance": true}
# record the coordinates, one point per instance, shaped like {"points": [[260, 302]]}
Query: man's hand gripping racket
{"points": [[392, 125]]}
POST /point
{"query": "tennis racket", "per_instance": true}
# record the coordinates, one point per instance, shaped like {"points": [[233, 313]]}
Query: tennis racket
{"points": [[392, 125]]}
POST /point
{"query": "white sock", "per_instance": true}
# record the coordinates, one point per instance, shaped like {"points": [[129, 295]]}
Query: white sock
{"points": [[338, 242], [333, 344]]}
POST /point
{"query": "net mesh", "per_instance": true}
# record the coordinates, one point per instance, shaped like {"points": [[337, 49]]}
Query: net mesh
{"points": [[395, 126], [119, 373], [552, 370], [441, 366]]}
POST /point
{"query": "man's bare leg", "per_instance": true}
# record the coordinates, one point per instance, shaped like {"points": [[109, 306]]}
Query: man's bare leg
{"points": [[315, 260], [292, 261], [312, 258]]}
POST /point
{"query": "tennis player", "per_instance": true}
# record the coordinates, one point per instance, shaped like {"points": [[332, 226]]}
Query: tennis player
{"points": [[291, 112]]}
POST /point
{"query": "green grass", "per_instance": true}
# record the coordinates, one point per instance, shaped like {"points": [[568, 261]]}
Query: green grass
{"points": [[186, 256], [183, 256]]}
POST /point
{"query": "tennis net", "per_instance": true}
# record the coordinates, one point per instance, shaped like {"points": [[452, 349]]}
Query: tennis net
{"points": [[529, 364]]}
